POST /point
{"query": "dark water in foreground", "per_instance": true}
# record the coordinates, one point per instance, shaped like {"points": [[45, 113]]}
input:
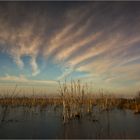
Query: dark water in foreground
{"points": [[22, 122]]}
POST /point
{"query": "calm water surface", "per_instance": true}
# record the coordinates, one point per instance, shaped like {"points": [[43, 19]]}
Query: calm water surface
{"points": [[22, 122]]}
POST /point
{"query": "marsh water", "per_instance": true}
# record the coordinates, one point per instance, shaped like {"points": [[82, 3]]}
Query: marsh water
{"points": [[24, 122]]}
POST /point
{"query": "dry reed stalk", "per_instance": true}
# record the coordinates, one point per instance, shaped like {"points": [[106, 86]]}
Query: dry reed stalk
{"points": [[73, 98]]}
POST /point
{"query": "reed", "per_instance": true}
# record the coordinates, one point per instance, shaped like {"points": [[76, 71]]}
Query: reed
{"points": [[76, 100]]}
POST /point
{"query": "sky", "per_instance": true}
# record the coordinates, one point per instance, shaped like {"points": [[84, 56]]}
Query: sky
{"points": [[42, 43]]}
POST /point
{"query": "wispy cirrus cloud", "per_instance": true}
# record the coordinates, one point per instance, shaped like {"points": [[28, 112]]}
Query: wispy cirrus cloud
{"points": [[67, 35], [24, 43], [81, 38], [7, 77], [22, 40], [23, 79], [68, 51]]}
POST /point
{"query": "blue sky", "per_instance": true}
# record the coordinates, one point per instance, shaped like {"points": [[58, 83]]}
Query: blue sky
{"points": [[43, 42]]}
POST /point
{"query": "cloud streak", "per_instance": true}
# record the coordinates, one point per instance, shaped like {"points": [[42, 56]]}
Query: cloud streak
{"points": [[23, 79]]}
